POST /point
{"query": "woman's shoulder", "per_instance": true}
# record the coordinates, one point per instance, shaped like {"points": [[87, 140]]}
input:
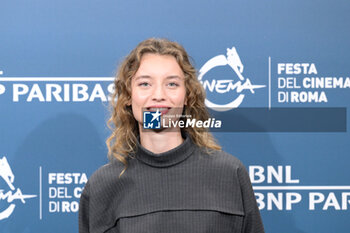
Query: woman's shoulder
{"points": [[107, 173], [222, 159]]}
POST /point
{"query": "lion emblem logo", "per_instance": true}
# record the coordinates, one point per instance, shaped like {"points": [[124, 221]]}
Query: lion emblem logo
{"points": [[233, 60], [7, 175]]}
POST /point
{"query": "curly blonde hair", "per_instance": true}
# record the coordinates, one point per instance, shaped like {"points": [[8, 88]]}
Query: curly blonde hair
{"points": [[122, 141]]}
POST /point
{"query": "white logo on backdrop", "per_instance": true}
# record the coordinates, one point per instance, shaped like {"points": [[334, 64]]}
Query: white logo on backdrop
{"points": [[223, 86], [7, 175]]}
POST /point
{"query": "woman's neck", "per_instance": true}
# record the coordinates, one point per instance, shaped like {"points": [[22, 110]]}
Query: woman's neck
{"points": [[162, 141]]}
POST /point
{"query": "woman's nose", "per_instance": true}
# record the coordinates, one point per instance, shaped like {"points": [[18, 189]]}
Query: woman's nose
{"points": [[158, 93]]}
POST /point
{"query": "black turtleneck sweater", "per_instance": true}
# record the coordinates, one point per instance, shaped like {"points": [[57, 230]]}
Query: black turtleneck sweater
{"points": [[184, 190]]}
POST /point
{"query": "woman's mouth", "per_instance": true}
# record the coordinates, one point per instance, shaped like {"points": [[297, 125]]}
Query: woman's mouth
{"points": [[162, 110]]}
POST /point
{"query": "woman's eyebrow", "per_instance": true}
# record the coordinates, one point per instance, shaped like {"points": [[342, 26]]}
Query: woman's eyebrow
{"points": [[149, 77], [142, 76], [173, 77]]}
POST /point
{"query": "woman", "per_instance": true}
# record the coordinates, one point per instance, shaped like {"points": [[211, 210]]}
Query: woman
{"points": [[169, 179]]}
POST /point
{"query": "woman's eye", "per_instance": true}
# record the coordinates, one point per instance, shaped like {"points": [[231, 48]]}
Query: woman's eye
{"points": [[144, 84], [173, 84]]}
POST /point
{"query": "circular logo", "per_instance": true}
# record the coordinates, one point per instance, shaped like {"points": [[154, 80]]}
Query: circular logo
{"points": [[232, 60]]}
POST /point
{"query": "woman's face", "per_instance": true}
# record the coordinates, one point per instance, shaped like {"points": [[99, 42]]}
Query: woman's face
{"points": [[159, 84]]}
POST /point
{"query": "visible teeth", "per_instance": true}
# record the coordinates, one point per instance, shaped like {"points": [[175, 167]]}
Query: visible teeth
{"points": [[158, 109]]}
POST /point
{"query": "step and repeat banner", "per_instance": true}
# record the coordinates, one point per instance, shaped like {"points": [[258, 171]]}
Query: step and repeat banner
{"points": [[276, 73]]}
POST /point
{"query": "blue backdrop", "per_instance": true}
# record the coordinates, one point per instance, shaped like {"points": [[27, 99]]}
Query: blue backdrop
{"points": [[58, 59]]}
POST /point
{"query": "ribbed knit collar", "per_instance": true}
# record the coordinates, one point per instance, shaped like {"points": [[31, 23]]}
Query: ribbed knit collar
{"points": [[168, 158]]}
